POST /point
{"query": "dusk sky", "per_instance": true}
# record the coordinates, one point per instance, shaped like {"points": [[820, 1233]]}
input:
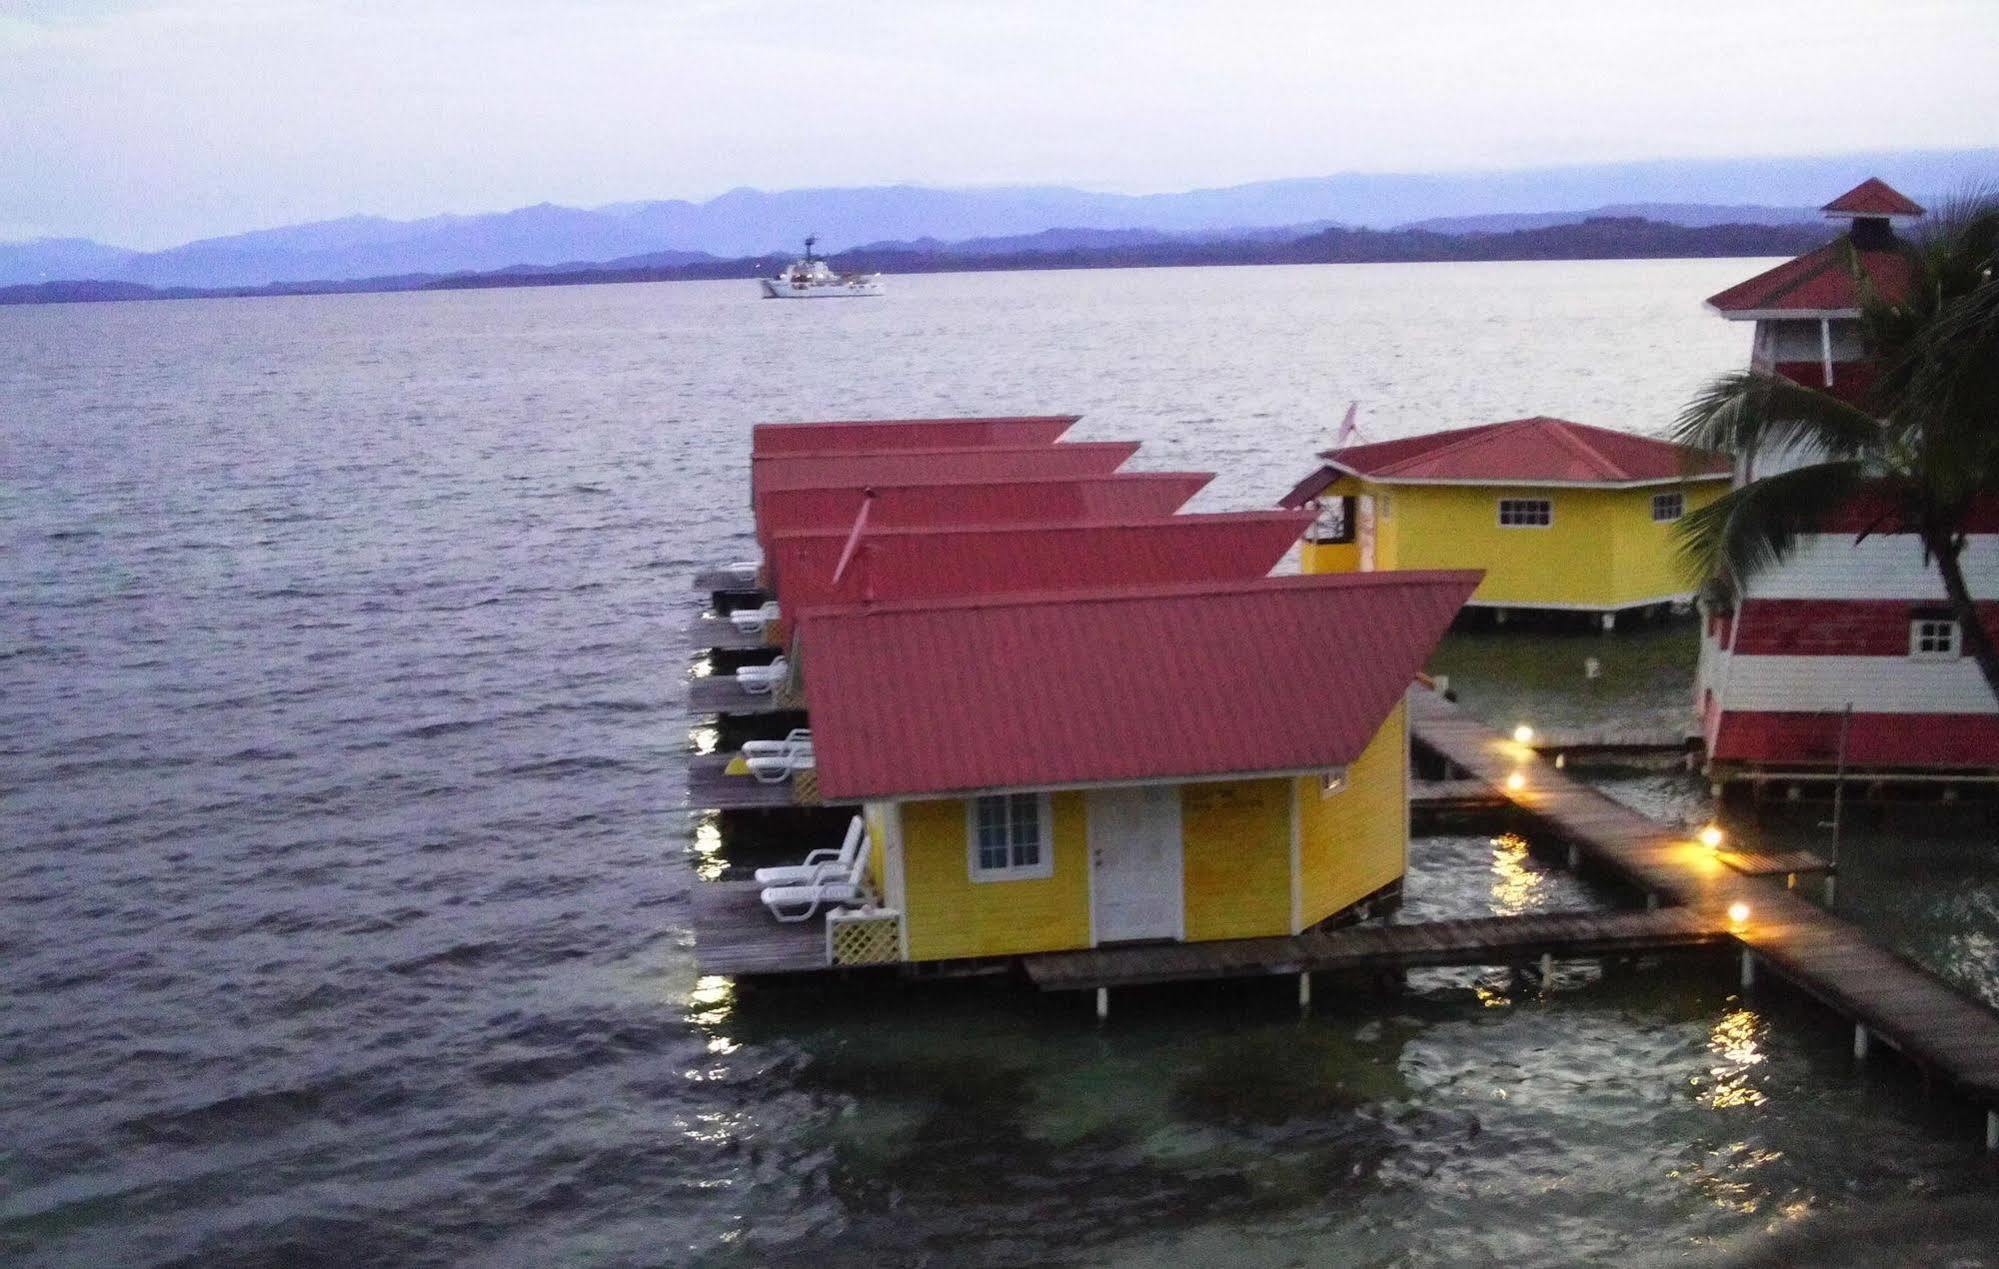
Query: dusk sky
{"points": [[147, 122]]}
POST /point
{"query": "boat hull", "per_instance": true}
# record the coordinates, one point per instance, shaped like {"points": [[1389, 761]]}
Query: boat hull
{"points": [[774, 290]]}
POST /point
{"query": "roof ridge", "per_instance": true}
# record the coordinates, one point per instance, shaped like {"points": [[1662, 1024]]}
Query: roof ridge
{"points": [[1460, 433], [1565, 431], [1474, 434], [934, 450], [926, 482], [1133, 591], [915, 420], [1245, 516]]}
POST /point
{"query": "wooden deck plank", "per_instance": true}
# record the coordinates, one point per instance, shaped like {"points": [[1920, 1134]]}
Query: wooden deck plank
{"points": [[720, 634], [721, 694], [1476, 941], [733, 934]]}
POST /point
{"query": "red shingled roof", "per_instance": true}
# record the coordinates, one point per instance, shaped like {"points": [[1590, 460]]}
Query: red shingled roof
{"points": [[1026, 500], [865, 434], [1519, 451], [1873, 197], [1273, 675], [770, 472], [1011, 559], [1819, 281]]}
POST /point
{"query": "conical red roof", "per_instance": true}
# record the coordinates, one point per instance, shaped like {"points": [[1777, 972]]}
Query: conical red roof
{"points": [[1873, 197]]}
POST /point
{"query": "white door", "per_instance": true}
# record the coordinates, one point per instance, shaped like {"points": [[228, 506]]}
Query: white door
{"points": [[1135, 863]]}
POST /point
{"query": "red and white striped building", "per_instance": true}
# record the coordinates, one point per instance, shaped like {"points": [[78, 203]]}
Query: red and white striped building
{"points": [[1845, 653]]}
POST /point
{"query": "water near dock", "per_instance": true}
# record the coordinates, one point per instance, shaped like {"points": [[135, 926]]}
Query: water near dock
{"points": [[343, 715]]}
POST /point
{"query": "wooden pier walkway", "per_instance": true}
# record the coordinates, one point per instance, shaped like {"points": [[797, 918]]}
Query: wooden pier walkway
{"points": [[711, 788], [722, 581], [1503, 940], [1939, 1029]]}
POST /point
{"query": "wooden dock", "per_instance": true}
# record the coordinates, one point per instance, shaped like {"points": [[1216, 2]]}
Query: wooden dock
{"points": [[734, 934], [720, 581], [720, 634], [721, 694], [1504, 940], [710, 788], [1940, 1030]]}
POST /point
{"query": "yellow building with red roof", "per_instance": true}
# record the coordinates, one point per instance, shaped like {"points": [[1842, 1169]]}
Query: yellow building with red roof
{"points": [[1558, 516]]}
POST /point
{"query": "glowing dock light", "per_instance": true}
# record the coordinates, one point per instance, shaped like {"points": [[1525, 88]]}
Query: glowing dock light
{"points": [[1738, 912], [1523, 735], [1516, 782], [1712, 837]]}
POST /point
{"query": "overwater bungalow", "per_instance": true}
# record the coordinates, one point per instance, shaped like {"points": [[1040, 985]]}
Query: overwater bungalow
{"points": [[1059, 771], [1559, 516]]}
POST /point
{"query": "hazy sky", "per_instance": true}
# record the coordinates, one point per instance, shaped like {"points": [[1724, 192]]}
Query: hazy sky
{"points": [[147, 122]]}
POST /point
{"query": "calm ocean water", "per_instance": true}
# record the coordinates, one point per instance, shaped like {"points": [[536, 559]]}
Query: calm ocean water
{"points": [[343, 869]]}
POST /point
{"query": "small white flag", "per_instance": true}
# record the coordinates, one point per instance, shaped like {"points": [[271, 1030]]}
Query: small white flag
{"points": [[1349, 427]]}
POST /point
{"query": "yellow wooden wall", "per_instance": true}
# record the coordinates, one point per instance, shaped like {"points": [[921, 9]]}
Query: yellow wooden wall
{"points": [[947, 915], [1353, 843], [1237, 869], [1603, 550], [1648, 556]]}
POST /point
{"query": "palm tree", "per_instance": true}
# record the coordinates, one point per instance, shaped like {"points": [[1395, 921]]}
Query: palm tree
{"points": [[1920, 452]]}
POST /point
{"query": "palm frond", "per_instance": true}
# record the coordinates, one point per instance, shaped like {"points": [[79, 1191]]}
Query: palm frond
{"points": [[1752, 527], [1748, 411]]}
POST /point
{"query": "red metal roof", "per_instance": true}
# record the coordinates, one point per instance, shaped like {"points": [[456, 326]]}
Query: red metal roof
{"points": [[1002, 500], [1183, 682], [1519, 451], [866, 434], [997, 560], [1819, 281], [1873, 197], [770, 472]]}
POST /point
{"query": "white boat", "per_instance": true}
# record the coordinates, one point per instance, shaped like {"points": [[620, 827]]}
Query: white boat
{"points": [[811, 279]]}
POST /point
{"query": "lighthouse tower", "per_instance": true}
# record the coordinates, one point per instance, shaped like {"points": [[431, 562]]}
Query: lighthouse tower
{"points": [[1807, 310], [1843, 658]]}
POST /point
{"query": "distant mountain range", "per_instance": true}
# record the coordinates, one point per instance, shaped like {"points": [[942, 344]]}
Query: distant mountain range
{"points": [[1591, 239], [750, 223]]}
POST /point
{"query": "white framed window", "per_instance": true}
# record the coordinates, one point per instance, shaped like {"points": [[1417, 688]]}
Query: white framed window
{"points": [[1526, 513], [1667, 507], [1010, 837], [1337, 522], [1934, 639]]}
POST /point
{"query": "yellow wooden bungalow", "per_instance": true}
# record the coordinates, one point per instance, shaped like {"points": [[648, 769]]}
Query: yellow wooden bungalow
{"points": [[1559, 516], [1046, 772]]}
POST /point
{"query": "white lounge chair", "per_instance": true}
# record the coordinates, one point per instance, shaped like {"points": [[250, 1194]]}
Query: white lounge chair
{"points": [[795, 739], [751, 620], [759, 679], [840, 889], [779, 767], [819, 863], [746, 570]]}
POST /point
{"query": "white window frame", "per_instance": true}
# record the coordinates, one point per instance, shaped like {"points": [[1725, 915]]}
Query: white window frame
{"points": [[1504, 523], [1044, 865], [1673, 498], [1924, 630]]}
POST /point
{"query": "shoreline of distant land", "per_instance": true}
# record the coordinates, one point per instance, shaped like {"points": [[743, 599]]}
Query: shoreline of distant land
{"points": [[1596, 238]]}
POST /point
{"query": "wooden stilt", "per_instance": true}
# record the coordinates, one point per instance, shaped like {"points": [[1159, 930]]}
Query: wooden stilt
{"points": [[1305, 992], [1748, 970], [1575, 857], [1547, 968], [1992, 1131], [1859, 1042], [1103, 1003], [1651, 901]]}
